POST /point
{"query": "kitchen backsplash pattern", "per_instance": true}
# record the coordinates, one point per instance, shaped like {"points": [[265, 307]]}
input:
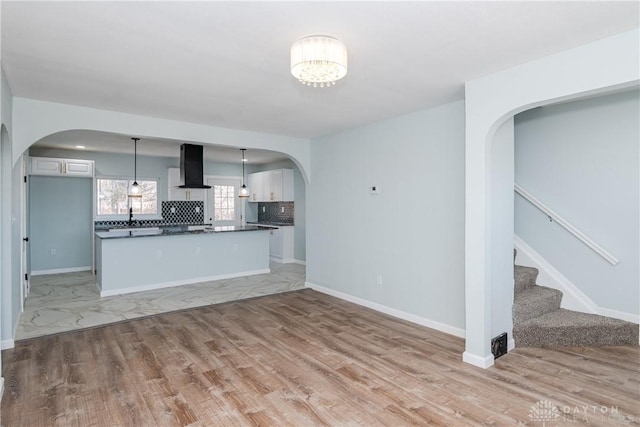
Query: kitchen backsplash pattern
{"points": [[183, 212], [280, 212], [173, 212]]}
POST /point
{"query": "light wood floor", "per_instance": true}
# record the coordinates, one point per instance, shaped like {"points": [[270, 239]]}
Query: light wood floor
{"points": [[304, 359]]}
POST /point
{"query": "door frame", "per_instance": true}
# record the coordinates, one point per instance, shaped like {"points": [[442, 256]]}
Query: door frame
{"points": [[25, 274], [207, 195]]}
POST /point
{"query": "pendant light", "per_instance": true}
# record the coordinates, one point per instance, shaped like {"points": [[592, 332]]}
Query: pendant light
{"points": [[135, 190], [244, 191]]}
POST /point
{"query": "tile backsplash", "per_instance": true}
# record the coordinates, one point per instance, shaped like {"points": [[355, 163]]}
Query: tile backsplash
{"points": [[173, 212], [280, 212], [183, 212]]}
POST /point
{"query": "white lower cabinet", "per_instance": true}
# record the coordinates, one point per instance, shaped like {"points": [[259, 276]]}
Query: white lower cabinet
{"points": [[281, 244]]}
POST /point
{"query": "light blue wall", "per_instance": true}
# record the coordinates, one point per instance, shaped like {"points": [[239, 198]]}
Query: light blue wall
{"points": [[121, 165], [9, 263], [133, 264], [60, 219], [412, 233], [299, 196], [582, 160]]}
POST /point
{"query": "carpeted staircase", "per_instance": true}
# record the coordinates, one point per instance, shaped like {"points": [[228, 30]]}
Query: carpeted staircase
{"points": [[538, 320]]}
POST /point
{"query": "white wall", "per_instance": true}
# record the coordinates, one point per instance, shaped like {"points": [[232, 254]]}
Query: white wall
{"points": [[605, 65], [501, 241], [412, 233], [582, 159]]}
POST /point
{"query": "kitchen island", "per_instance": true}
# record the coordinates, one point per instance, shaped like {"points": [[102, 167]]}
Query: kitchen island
{"points": [[134, 260]]}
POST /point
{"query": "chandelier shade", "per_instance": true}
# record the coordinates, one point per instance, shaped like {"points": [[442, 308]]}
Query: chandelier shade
{"points": [[318, 61]]}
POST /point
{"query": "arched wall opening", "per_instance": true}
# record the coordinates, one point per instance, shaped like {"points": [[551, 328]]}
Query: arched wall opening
{"points": [[35, 120], [491, 102]]}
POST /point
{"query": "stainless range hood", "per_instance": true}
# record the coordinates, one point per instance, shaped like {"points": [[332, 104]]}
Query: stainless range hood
{"points": [[191, 166]]}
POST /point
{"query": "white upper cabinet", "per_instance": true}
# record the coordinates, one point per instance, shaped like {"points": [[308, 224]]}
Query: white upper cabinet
{"points": [[271, 186], [61, 167], [181, 194], [254, 181]]}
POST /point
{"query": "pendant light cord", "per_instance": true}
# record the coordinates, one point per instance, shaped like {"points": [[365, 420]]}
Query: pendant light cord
{"points": [[242, 166], [135, 160]]}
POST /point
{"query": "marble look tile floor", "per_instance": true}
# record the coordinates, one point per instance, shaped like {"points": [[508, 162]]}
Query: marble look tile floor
{"points": [[70, 301]]}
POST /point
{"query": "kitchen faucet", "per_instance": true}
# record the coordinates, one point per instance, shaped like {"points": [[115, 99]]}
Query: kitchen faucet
{"points": [[132, 222]]}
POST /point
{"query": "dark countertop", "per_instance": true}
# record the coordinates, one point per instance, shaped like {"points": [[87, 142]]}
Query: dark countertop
{"points": [[170, 231], [272, 224]]}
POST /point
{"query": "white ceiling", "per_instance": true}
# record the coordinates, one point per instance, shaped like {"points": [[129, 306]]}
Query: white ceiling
{"points": [[227, 63]]}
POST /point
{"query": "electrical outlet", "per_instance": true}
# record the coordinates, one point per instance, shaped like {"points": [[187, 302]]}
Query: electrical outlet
{"points": [[53, 251], [379, 279], [499, 345], [281, 209], [173, 209], [235, 247], [197, 250], [197, 209], [159, 253]]}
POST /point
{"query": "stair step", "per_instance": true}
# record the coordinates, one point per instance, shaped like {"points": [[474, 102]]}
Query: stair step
{"points": [[525, 277], [566, 328], [534, 302]]}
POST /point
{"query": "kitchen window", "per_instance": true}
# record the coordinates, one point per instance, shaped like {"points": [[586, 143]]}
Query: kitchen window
{"points": [[224, 197], [113, 202]]}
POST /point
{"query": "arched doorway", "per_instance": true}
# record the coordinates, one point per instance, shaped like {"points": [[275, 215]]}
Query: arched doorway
{"points": [[491, 103]]}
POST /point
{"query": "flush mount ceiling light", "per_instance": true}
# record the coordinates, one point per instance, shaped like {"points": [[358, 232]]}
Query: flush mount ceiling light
{"points": [[318, 61], [135, 190], [244, 191]]}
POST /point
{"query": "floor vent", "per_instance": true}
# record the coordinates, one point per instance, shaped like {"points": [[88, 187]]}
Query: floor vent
{"points": [[499, 345]]}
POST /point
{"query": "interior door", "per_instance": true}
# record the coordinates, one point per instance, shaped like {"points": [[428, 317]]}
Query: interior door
{"points": [[224, 208]]}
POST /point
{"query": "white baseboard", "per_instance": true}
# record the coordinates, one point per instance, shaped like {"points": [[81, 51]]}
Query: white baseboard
{"points": [[448, 329], [122, 291], [287, 260], [511, 344], [572, 297], [1, 386], [60, 270], [10, 343], [479, 361]]}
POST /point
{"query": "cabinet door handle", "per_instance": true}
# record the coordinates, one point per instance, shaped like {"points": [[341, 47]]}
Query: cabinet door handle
{"points": [[271, 196]]}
